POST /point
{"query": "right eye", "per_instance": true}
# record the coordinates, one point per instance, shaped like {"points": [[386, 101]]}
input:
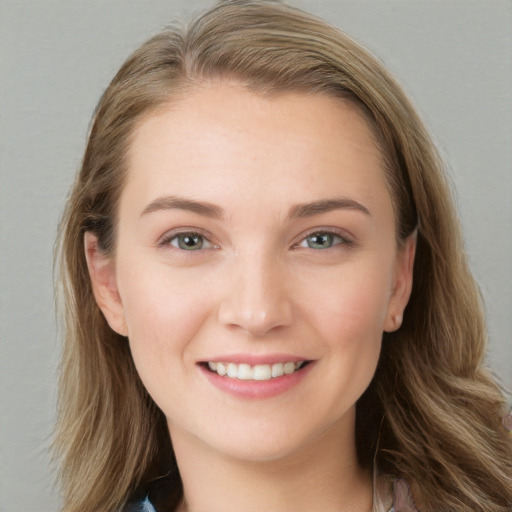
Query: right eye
{"points": [[188, 241]]}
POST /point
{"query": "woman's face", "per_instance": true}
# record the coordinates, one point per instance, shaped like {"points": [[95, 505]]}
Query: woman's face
{"points": [[256, 237]]}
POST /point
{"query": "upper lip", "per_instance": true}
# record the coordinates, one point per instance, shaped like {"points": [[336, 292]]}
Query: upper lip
{"points": [[255, 359]]}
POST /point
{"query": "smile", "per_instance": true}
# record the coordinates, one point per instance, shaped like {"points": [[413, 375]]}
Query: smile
{"points": [[259, 372]]}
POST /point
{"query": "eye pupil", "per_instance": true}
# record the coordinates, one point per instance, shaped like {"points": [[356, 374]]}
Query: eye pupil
{"points": [[320, 240], [190, 242]]}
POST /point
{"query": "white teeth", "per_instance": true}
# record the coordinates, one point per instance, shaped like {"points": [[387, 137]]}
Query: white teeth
{"points": [[232, 370], [262, 372], [289, 368], [221, 369], [245, 371], [277, 370]]}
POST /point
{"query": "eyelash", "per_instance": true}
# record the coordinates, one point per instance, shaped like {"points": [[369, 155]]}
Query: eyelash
{"points": [[343, 239], [169, 237]]}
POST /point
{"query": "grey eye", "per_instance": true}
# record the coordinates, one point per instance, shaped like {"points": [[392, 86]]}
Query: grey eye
{"points": [[188, 241], [320, 240]]}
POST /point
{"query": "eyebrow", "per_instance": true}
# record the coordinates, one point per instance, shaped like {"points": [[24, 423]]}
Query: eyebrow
{"points": [[210, 210], [182, 203], [326, 205]]}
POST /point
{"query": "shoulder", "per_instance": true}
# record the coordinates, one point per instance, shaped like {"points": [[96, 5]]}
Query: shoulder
{"points": [[157, 495], [402, 497], [392, 494]]}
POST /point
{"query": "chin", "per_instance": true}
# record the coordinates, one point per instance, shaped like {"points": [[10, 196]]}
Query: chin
{"points": [[258, 452]]}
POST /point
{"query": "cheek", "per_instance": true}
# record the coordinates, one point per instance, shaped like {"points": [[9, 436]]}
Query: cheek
{"points": [[157, 299], [163, 313], [349, 317], [351, 306], [356, 340], [355, 331]]}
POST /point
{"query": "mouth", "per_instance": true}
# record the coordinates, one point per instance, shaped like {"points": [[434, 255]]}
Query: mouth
{"points": [[258, 372]]}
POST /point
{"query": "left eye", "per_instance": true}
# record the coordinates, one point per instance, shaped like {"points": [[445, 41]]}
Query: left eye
{"points": [[189, 242], [321, 240]]}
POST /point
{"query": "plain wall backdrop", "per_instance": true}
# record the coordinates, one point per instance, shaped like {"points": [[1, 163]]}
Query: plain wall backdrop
{"points": [[57, 56]]}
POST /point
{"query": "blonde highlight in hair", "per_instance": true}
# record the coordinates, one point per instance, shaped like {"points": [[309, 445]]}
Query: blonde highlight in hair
{"points": [[432, 413]]}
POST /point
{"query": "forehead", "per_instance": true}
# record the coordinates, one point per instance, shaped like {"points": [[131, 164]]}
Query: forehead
{"points": [[225, 137]]}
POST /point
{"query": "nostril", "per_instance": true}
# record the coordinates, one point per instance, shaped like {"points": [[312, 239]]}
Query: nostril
{"points": [[256, 322]]}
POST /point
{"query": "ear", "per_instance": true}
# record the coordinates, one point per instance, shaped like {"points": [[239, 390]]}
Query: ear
{"points": [[402, 284], [103, 279]]}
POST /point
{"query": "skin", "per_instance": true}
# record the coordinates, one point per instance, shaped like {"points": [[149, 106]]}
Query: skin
{"points": [[257, 287]]}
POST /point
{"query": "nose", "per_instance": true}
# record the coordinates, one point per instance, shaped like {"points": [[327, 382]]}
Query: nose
{"points": [[256, 298]]}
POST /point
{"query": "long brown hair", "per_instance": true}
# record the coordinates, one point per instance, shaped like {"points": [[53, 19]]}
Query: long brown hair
{"points": [[432, 412]]}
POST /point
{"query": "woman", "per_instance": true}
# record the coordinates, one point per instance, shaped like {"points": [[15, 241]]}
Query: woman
{"points": [[268, 306]]}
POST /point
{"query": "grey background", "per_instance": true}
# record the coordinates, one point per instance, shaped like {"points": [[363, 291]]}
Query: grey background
{"points": [[56, 57]]}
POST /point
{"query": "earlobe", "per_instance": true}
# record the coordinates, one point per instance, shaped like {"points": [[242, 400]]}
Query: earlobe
{"points": [[104, 284], [402, 285]]}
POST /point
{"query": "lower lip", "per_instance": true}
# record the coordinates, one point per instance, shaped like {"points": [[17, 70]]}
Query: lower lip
{"points": [[256, 389]]}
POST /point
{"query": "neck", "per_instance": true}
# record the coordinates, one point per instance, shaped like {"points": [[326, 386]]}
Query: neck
{"points": [[323, 475]]}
